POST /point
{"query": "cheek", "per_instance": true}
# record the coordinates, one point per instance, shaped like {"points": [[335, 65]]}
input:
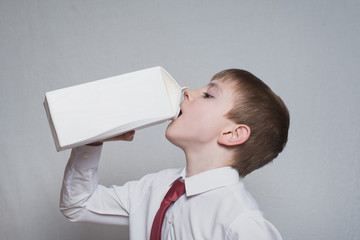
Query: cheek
{"points": [[181, 130], [200, 125]]}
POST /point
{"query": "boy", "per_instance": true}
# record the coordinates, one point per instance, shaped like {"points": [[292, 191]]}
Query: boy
{"points": [[227, 129]]}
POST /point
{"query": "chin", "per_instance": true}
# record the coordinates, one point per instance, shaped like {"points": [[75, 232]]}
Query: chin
{"points": [[173, 136], [169, 134]]}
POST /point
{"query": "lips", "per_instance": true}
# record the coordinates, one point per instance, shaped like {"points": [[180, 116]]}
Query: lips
{"points": [[177, 115]]}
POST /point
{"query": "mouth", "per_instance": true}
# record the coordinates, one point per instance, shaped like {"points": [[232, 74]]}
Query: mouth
{"points": [[177, 116]]}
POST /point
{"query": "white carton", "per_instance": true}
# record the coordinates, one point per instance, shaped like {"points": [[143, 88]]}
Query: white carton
{"points": [[105, 108]]}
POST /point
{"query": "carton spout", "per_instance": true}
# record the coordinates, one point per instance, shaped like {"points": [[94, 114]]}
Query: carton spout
{"points": [[183, 89], [176, 115]]}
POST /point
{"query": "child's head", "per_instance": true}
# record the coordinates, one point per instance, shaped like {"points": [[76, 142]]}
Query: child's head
{"points": [[258, 107], [236, 120]]}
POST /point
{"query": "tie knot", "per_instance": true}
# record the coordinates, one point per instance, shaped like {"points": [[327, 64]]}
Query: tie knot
{"points": [[176, 190]]}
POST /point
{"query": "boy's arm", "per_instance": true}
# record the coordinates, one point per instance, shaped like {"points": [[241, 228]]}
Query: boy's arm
{"points": [[80, 190], [81, 195]]}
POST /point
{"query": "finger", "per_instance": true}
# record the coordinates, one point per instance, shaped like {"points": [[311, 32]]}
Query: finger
{"points": [[129, 136]]}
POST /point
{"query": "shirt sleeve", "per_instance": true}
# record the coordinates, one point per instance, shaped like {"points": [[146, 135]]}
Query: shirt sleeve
{"points": [[252, 227], [82, 199]]}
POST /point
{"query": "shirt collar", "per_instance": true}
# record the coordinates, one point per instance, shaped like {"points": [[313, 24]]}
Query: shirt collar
{"points": [[210, 180]]}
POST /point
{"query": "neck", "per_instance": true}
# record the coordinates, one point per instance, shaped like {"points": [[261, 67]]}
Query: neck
{"points": [[203, 158]]}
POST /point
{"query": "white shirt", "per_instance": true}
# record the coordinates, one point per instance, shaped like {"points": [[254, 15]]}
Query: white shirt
{"points": [[216, 204]]}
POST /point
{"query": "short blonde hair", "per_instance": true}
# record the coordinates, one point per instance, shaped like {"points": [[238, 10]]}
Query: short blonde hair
{"points": [[258, 107]]}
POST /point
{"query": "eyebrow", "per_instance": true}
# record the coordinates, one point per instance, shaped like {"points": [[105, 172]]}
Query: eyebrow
{"points": [[215, 85]]}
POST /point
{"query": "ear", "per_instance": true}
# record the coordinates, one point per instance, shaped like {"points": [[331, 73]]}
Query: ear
{"points": [[234, 136]]}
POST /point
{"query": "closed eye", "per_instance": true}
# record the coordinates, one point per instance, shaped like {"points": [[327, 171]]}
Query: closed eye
{"points": [[206, 95]]}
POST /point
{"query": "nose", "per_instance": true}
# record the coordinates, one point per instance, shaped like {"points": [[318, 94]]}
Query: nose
{"points": [[186, 95], [192, 94]]}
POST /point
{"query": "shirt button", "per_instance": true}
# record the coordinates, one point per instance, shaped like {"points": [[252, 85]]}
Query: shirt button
{"points": [[171, 220], [85, 155]]}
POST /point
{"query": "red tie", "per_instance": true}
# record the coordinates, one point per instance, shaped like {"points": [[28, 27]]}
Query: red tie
{"points": [[176, 190]]}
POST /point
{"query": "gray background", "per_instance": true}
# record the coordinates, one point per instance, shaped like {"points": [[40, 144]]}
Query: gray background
{"points": [[307, 51]]}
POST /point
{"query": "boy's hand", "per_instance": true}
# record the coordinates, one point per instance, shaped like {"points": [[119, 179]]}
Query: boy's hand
{"points": [[129, 136]]}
